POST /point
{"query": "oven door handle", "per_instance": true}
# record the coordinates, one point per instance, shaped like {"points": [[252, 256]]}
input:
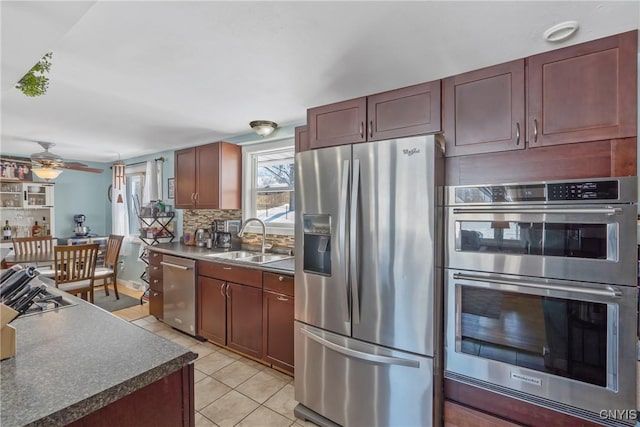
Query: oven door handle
{"points": [[610, 292], [600, 211]]}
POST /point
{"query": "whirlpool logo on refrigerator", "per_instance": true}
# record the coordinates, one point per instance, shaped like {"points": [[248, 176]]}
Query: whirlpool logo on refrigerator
{"points": [[410, 152]]}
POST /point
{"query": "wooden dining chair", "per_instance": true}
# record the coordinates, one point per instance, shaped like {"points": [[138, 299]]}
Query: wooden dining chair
{"points": [[33, 246], [75, 266], [109, 273]]}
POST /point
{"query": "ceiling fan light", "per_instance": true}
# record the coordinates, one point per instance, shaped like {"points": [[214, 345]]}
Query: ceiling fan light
{"points": [[263, 127], [47, 173]]}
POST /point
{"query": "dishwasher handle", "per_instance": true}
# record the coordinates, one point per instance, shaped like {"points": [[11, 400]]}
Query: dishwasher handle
{"points": [[172, 265]]}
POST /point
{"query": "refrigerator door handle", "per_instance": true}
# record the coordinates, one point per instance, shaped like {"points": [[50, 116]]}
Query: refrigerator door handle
{"points": [[343, 230], [374, 358], [353, 247]]}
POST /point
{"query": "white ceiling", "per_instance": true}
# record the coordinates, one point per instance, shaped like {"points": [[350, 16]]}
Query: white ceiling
{"points": [[137, 77]]}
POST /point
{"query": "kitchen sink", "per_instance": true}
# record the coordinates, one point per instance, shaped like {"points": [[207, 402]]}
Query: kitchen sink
{"points": [[250, 257], [232, 255], [260, 259]]}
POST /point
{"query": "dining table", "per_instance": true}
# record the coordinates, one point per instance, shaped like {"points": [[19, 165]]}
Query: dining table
{"points": [[38, 259]]}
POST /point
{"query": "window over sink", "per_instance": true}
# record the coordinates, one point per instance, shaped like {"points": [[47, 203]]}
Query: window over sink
{"points": [[268, 189]]}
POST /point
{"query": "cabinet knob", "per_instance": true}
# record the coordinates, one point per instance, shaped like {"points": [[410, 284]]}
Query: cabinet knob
{"points": [[283, 299], [156, 281], [281, 278]]}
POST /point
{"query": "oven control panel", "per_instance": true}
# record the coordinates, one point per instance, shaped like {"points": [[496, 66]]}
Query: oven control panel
{"points": [[600, 190], [594, 190]]}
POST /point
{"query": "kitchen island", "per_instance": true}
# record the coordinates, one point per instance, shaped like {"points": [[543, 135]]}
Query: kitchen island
{"points": [[82, 365]]}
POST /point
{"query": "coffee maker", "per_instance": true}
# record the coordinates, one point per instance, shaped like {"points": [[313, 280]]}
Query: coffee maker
{"points": [[221, 230], [80, 230]]}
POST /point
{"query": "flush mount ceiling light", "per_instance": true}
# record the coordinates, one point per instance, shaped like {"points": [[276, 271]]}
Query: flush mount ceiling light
{"points": [[46, 172], [561, 31], [263, 127]]}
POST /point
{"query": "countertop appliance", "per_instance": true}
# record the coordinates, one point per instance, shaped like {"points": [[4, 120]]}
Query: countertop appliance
{"points": [[202, 236], [80, 229], [540, 293], [368, 280], [179, 296], [222, 231]]}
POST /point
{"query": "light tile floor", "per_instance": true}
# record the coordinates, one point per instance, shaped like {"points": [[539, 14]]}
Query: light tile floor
{"points": [[230, 390]]}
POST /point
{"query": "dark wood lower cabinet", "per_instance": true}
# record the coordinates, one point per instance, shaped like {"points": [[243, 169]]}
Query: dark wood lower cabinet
{"points": [[168, 402], [460, 416], [244, 319], [506, 408], [212, 310], [277, 334]]}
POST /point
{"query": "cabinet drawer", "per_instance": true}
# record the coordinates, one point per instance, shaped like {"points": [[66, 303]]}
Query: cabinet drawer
{"points": [[155, 283], [156, 302], [278, 283], [155, 271], [232, 273], [155, 258]]}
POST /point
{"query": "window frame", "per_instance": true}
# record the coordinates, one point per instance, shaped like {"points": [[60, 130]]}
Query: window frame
{"points": [[249, 191]]}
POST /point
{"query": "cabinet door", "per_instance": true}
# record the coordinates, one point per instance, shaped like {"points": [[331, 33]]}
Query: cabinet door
{"points": [[156, 302], [230, 176], [484, 110], [337, 124], [585, 92], [212, 309], [409, 111], [277, 333], [218, 176], [185, 178], [302, 138], [207, 173], [244, 319]]}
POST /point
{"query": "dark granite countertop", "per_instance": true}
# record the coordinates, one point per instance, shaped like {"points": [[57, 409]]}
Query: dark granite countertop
{"points": [[285, 266], [77, 359]]}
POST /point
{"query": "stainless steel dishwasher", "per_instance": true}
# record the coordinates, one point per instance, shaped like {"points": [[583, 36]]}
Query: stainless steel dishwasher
{"points": [[179, 277]]}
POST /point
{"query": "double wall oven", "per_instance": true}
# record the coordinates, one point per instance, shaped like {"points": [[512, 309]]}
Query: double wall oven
{"points": [[540, 290]]}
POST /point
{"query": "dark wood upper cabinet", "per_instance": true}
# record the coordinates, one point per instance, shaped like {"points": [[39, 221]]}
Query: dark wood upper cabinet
{"points": [[208, 177], [302, 138], [337, 124], [185, 178], [412, 110], [586, 92], [212, 320], [484, 110], [408, 111]]}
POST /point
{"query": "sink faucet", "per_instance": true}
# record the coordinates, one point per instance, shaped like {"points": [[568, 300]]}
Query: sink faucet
{"points": [[264, 230]]}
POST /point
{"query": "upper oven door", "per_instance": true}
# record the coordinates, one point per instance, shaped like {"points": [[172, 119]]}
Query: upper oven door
{"points": [[594, 243]]}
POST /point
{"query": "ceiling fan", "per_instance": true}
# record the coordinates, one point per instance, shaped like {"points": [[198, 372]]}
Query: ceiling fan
{"points": [[47, 165]]}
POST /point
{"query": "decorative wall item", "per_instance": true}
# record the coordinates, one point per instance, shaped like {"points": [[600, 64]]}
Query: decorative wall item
{"points": [[34, 82], [171, 188], [15, 168]]}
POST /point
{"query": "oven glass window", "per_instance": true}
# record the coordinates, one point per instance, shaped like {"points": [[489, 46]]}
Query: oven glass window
{"points": [[531, 238], [562, 337]]}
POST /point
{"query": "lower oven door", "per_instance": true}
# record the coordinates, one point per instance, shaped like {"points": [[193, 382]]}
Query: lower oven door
{"points": [[561, 344], [593, 243]]}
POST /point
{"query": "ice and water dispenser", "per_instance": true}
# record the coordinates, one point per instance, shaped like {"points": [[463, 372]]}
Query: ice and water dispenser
{"points": [[317, 244]]}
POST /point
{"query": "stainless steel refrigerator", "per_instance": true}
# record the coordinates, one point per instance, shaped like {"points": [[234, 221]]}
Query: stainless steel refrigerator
{"points": [[368, 283]]}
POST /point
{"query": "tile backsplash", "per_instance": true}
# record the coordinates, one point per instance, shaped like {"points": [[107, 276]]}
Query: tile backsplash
{"points": [[193, 219]]}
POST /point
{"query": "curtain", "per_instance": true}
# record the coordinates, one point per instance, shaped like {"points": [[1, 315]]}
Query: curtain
{"points": [[119, 211], [150, 183]]}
